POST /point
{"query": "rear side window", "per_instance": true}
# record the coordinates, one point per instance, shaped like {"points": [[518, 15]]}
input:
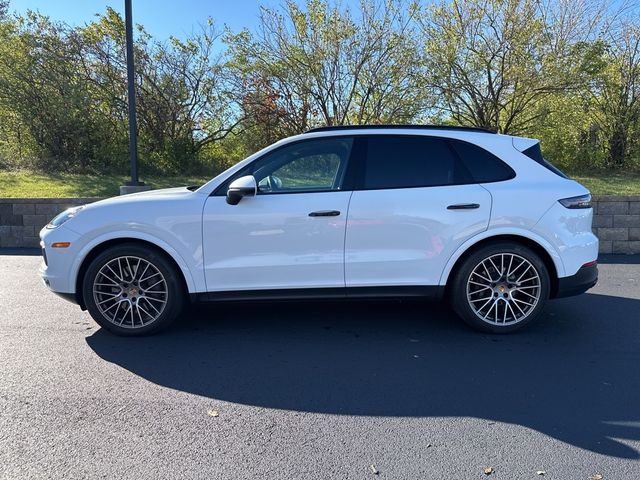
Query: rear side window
{"points": [[535, 154], [483, 166], [402, 161]]}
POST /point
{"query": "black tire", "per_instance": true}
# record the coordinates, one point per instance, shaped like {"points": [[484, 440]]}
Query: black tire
{"points": [[166, 312], [461, 301]]}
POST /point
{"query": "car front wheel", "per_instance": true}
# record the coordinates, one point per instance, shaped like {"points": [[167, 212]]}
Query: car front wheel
{"points": [[132, 290], [500, 288]]}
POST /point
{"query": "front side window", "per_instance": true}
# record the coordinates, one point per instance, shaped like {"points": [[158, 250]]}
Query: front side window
{"points": [[403, 161], [313, 165]]}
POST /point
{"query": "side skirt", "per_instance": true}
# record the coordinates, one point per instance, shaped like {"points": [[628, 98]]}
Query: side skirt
{"points": [[426, 292]]}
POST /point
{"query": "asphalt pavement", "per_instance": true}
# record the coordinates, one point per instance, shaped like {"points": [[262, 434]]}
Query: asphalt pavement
{"points": [[322, 390]]}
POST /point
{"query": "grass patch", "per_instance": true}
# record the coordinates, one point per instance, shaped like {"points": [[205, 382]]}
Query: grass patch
{"points": [[610, 183], [27, 184], [38, 185]]}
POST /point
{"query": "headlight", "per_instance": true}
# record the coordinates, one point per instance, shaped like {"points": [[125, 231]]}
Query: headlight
{"points": [[68, 214]]}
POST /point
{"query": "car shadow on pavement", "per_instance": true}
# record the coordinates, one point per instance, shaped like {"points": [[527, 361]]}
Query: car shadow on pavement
{"points": [[574, 375]]}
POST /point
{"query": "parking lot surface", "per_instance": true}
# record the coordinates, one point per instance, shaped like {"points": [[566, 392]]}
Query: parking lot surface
{"points": [[329, 390]]}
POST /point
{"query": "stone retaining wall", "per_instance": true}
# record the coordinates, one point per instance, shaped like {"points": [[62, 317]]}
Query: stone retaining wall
{"points": [[22, 218], [616, 220]]}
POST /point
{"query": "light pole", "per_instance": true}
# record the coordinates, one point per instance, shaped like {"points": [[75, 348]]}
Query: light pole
{"points": [[134, 185], [131, 87]]}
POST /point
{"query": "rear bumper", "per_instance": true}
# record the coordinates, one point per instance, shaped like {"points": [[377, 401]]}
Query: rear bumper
{"points": [[585, 278]]}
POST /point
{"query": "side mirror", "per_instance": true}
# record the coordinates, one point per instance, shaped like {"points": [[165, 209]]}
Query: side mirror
{"points": [[241, 187]]}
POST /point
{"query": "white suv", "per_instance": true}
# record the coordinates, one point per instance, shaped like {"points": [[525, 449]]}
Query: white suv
{"points": [[338, 212]]}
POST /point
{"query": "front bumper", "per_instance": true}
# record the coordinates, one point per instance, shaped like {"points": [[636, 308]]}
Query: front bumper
{"points": [[57, 263], [585, 278]]}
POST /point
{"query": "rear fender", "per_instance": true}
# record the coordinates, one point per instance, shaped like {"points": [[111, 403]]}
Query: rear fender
{"points": [[497, 232]]}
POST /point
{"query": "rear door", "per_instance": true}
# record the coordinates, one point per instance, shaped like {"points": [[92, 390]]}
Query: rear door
{"points": [[414, 205]]}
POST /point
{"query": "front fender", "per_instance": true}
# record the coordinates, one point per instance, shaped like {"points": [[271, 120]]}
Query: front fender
{"points": [[194, 284]]}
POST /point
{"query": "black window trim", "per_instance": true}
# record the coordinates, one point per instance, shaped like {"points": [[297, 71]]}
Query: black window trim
{"points": [[361, 159], [221, 190]]}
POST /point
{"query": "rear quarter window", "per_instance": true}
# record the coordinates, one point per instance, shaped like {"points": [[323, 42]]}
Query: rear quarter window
{"points": [[484, 166]]}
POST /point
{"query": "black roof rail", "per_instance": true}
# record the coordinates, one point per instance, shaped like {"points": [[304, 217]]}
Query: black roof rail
{"points": [[418, 127]]}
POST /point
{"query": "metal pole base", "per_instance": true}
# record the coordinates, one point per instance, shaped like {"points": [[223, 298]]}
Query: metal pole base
{"points": [[127, 189]]}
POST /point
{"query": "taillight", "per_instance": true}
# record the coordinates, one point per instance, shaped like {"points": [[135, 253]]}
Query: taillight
{"points": [[582, 201]]}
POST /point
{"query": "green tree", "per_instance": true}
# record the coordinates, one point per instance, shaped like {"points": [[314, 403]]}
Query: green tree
{"points": [[491, 62], [564, 71], [183, 103], [616, 95], [323, 65], [40, 85]]}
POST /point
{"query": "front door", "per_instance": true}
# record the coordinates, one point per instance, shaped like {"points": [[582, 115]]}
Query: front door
{"points": [[291, 234]]}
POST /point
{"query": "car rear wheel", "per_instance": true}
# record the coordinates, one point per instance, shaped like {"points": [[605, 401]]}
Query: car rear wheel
{"points": [[132, 290], [500, 288]]}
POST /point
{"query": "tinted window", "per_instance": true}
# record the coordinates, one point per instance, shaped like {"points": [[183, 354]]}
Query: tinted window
{"points": [[483, 166], [395, 161], [313, 165], [535, 153]]}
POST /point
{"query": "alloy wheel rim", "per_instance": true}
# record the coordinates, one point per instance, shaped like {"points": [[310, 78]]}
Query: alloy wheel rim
{"points": [[503, 289], [130, 292]]}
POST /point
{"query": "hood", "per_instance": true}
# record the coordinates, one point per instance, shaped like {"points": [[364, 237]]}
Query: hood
{"points": [[160, 194]]}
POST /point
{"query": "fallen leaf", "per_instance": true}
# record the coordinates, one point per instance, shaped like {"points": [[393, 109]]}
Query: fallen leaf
{"points": [[597, 476], [488, 471], [541, 472], [213, 413], [374, 470]]}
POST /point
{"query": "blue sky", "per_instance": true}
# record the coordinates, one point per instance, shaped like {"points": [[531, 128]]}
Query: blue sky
{"points": [[161, 18]]}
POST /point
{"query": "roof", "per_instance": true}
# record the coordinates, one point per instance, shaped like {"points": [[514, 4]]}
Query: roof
{"points": [[391, 127]]}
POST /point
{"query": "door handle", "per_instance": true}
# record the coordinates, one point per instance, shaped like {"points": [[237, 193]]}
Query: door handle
{"points": [[325, 213], [463, 206]]}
